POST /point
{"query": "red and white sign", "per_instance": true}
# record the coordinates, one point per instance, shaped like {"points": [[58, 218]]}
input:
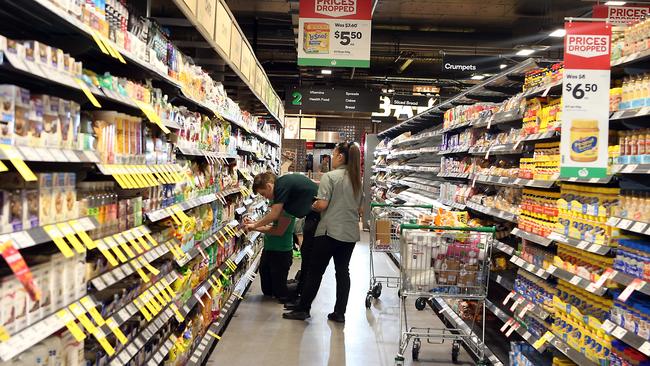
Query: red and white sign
{"points": [[585, 99], [334, 33], [621, 15]]}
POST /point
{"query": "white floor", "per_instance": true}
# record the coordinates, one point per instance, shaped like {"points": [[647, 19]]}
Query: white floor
{"points": [[257, 334]]}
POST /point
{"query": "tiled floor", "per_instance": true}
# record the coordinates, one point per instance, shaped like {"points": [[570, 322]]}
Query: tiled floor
{"points": [[257, 335]]}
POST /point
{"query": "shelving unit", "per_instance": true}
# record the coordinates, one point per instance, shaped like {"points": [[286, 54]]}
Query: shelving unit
{"points": [[133, 190], [471, 170]]}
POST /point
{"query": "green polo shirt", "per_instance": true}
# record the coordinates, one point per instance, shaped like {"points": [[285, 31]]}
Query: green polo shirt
{"points": [[296, 192], [281, 243]]}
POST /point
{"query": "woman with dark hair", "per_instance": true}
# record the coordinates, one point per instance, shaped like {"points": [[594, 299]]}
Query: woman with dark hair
{"points": [[339, 202]]}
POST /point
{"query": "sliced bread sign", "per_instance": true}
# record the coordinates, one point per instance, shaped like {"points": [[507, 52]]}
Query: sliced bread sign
{"points": [[585, 98], [334, 33]]}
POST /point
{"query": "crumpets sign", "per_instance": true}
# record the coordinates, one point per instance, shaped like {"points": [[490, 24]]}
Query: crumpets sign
{"points": [[336, 8], [587, 46]]}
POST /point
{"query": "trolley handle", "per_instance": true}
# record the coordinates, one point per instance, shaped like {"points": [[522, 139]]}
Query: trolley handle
{"points": [[482, 229], [379, 204]]}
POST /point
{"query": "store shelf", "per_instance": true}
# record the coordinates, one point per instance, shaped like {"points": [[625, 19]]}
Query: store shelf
{"points": [[535, 183], [519, 303], [504, 149], [568, 351], [124, 270], [503, 247], [166, 212], [38, 235], [576, 280], [458, 206], [590, 180], [630, 114], [458, 323], [504, 215], [581, 244], [492, 179], [628, 337], [196, 152], [537, 271], [638, 227], [632, 59], [543, 90], [457, 127], [541, 240], [454, 175], [457, 150], [503, 278], [625, 280], [541, 136], [505, 317]]}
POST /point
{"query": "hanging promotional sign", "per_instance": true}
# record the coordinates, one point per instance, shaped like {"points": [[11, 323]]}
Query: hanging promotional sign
{"points": [[585, 98], [473, 64], [401, 107], [334, 33], [621, 15]]}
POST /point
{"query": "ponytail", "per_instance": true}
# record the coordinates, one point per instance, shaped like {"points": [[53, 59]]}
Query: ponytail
{"points": [[352, 155]]}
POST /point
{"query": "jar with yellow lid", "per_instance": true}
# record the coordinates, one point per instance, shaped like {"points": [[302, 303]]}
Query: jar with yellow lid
{"points": [[584, 140]]}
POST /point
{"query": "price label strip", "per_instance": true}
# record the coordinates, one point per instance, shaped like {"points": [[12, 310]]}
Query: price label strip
{"points": [[69, 320], [17, 161]]}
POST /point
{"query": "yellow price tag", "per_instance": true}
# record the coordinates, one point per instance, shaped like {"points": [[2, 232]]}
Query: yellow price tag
{"points": [[162, 291], [112, 325], [83, 319], [56, 236], [90, 244], [159, 297], [143, 242], [122, 243], [149, 267], [110, 351], [153, 302], [143, 310], [138, 268], [214, 335], [109, 257], [17, 161], [170, 211], [147, 303], [545, 338], [150, 238], [68, 320], [129, 236], [221, 273], [91, 308], [168, 288], [179, 316], [4, 334], [99, 42], [69, 234], [84, 88], [3, 168], [120, 181]]}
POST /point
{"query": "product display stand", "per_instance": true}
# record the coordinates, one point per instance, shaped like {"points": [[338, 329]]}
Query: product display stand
{"points": [[493, 151], [126, 173]]}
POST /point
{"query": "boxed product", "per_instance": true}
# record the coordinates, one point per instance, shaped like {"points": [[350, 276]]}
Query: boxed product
{"points": [[35, 122], [15, 104], [59, 196], [51, 121], [45, 199], [382, 232]]}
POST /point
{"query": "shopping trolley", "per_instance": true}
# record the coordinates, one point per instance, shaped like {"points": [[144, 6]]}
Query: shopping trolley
{"points": [[385, 224], [439, 263]]}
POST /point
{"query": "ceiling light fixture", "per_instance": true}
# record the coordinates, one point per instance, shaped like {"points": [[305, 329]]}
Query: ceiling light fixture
{"points": [[558, 33], [525, 52], [478, 77], [326, 72], [616, 3], [503, 66]]}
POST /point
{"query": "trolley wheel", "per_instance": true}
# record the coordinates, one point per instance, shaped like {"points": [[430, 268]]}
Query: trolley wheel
{"points": [[455, 350], [399, 361], [417, 344], [368, 301], [376, 290], [420, 303]]}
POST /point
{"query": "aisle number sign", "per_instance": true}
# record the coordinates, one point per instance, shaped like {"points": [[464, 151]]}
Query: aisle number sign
{"points": [[334, 33], [585, 98]]}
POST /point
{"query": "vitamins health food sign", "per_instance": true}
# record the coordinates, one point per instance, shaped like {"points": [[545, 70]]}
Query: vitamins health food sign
{"points": [[585, 98], [334, 33]]}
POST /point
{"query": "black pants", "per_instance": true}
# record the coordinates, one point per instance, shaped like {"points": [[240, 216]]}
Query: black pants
{"points": [[274, 269], [308, 231], [325, 249]]}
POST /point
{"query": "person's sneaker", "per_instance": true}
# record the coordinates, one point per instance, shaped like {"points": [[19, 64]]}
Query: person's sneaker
{"points": [[336, 317], [296, 315]]}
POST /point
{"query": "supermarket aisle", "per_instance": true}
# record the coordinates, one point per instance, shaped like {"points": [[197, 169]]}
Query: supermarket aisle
{"points": [[258, 334]]}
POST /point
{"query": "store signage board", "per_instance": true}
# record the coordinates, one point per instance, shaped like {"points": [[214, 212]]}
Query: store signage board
{"points": [[400, 107], [585, 98], [223, 29], [621, 15], [473, 64], [334, 33], [316, 99]]}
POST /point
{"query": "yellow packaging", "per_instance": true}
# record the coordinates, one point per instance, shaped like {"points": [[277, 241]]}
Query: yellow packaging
{"points": [[584, 140], [316, 38]]}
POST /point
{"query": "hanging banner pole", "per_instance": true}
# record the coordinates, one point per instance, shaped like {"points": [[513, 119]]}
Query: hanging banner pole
{"points": [[585, 98]]}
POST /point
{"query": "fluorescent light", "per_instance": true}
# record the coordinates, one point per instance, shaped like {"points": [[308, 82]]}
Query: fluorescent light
{"points": [[326, 72], [616, 3], [391, 90], [503, 66], [478, 77], [558, 33], [525, 52]]}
